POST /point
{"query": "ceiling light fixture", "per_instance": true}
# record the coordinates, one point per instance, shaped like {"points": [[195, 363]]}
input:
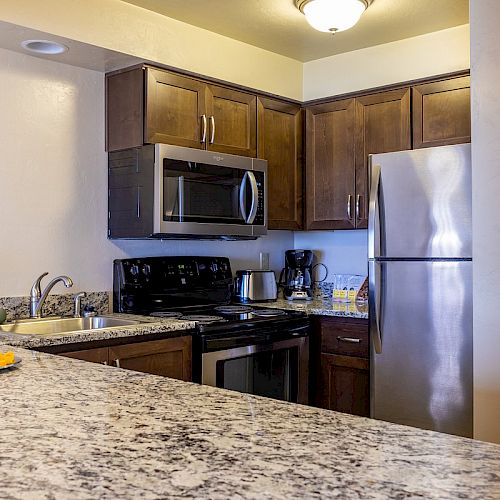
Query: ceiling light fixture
{"points": [[44, 47], [332, 16]]}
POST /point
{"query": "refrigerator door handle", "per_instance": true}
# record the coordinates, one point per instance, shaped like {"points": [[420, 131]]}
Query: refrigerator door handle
{"points": [[374, 305], [372, 212]]}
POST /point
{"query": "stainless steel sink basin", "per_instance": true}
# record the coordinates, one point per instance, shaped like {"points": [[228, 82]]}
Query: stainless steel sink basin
{"points": [[57, 326]]}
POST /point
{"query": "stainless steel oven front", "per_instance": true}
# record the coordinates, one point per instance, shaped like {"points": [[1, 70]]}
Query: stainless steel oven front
{"points": [[206, 193], [255, 363]]}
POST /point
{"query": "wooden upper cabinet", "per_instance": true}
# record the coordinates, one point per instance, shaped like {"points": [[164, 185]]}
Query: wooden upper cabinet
{"points": [[174, 109], [441, 113], [330, 165], [148, 105], [382, 126], [168, 357], [232, 121], [280, 142], [125, 110]]}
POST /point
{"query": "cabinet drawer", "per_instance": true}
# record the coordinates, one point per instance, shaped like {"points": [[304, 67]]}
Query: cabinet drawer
{"points": [[348, 338]]}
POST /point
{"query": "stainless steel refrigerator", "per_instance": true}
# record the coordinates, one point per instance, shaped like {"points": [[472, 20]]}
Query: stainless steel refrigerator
{"points": [[420, 278]]}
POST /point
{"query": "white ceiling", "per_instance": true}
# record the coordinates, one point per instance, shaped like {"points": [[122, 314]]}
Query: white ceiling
{"points": [[277, 25]]}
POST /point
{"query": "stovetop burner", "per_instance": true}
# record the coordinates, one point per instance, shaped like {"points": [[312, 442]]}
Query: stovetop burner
{"points": [[203, 318], [166, 314], [233, 309], [268, 313]]}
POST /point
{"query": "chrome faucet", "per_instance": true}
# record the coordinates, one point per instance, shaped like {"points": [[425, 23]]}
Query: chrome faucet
{"points": [[37, 297], [77, 304]]}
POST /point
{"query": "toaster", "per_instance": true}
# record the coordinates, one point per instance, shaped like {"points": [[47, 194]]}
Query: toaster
{"points": [[255, 286]]}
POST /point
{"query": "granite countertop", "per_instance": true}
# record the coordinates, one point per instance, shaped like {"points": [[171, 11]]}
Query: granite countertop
{"points": [[148, 326], [321, 307], [72, 429]]}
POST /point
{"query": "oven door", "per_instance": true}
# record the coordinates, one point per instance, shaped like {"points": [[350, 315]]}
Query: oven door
{"points": [[277, 370], [201, 192]]}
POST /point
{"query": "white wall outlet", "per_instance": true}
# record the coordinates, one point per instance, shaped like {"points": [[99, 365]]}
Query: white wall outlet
{"points": [[264, 260]]}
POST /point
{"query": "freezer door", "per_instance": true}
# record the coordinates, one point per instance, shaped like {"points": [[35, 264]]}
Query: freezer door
{"points": [[421, 368], [420, 203]]}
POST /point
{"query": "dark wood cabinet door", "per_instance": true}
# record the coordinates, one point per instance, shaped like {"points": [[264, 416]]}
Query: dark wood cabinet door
{"points": [[280, 126], [168, 357], [125, 110], [175, 106], [232, 121], [441, 113], [382, 126], [345, 384], [330, 165], [97, 355]]}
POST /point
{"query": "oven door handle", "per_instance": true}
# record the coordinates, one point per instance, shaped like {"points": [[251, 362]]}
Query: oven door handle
{"points": [[237, 341]]}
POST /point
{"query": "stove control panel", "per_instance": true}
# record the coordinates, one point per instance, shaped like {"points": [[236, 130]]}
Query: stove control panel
{"points": [[140, 283]]}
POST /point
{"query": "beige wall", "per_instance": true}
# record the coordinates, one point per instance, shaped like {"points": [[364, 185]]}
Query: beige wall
{"points": [[125, 28], [485, 75], [53, 184], [426, 55]]}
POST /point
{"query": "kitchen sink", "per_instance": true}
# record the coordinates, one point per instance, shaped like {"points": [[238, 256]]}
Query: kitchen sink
{"points": [[56, 326]]}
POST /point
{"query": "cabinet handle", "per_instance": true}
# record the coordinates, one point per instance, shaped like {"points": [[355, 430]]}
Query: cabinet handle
{"points": [[212, 126], [358, 205], [350, 340], [204, 130], [117, 363], [349, 199]]}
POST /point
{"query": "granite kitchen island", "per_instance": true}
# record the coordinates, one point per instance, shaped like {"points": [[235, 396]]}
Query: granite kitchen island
{"points": [[72, 429]]}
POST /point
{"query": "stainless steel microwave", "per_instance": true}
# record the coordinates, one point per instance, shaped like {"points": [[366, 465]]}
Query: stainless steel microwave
{"points": [[162, 191]]}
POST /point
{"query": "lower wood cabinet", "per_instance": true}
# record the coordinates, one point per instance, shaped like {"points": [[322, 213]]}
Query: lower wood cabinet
{"points": [[98, 355], [340, 367], [344, 384], [167, 357]]}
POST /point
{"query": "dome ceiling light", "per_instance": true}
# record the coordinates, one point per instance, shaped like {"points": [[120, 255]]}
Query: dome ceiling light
{"points": [[331, 16]]}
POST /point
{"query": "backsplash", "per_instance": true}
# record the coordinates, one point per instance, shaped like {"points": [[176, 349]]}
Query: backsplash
{"points": [[323, 290], [55, 305]]}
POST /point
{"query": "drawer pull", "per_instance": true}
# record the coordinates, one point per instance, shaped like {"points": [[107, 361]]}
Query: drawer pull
{"points": [[350, 340]]}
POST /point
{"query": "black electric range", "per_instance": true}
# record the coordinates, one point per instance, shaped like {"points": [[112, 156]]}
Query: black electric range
{"points": [[267, 347], [190, 288]]}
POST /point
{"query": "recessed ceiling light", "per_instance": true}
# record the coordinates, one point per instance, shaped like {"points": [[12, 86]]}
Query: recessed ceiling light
{"points": [[44, 47]]}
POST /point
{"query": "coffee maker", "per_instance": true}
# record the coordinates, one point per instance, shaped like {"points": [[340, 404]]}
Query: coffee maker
{"points": [[298, 282]]}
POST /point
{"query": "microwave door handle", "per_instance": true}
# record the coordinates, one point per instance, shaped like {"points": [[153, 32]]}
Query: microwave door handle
{"points": [[255, 197], [243, 187]]}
